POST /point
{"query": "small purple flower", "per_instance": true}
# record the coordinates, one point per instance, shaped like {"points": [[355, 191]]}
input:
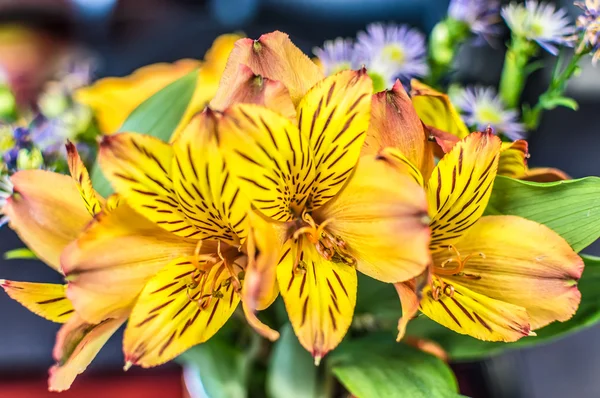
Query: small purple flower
{"points": [[336, 55], [481, 107], [392, 52], [540, 22], [589, 24], [21, 136], [482, 16]]}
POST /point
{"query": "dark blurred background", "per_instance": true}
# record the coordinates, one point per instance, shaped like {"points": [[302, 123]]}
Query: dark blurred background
{"points": [[123, 35]]}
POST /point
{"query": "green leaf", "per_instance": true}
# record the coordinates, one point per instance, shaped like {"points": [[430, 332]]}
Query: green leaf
{"points": [[22, 253], [553, 102], [157, 116], [461, 347], [377, 367], [571, 208], [292, 372], [222, 369]]}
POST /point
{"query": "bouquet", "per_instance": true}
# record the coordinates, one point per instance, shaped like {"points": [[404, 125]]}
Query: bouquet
{"points": [[287, 226]]}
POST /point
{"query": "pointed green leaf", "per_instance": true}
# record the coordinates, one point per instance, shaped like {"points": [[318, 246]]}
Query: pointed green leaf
{"points": [[158, 116], [571, 208], [553, 102], [376, 366]]}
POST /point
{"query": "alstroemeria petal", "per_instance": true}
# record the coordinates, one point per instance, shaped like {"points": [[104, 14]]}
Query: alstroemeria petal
{"points": [[545, 174], [479, 316], [269, 158], [395, 123], [460, 187], [319, 299], [410, 304], [275, 57], [108, 265], [526, 264], [112, 99], [80, 175], [77, 344], [513, 159], [169, 316], [47, 300], [381, 215], [265, 245], [249, 88], [209, 76], [334, 115], [401, 162], [435, 109], [209, 196], [46, 211], [139, 168]]}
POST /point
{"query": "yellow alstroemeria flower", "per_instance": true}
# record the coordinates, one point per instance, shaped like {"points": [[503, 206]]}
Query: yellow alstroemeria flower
{"points": [[495, 278], [330, 213], [47, 211], [439, 115], [113, 99], [185, 190]]}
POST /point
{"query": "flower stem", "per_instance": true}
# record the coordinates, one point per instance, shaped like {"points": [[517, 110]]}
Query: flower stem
{"points": [[555, 90], [514, 73]]}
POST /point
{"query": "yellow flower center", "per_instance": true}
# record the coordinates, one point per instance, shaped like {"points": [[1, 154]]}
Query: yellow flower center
{"points": [[439, 288], [224, 261], [328, 245], [393, 53], [488, 114]]}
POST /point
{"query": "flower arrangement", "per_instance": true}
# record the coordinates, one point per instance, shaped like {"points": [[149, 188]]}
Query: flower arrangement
{"points": [[397, 218]]}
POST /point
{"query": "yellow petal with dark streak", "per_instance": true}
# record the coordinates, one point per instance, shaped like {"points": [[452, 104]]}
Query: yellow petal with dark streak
{"points": [[109, 264], [477, 315], [319, 298], [208, 194], [460, 187], [269, 158], [47, 300], [79, 173], [139, 168], [526, 264], [77, 344], [334, 115], [513, 159], [167, 318]]}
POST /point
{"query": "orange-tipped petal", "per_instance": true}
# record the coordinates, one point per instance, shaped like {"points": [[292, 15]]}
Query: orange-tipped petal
{"points": [[108, 265], [275, 57], [381, 215], [523, 263], [47, 300], [545, 174], [77, 344], [258, 325], [47, 212], [249, 88], [410, 304], [395, 123]]}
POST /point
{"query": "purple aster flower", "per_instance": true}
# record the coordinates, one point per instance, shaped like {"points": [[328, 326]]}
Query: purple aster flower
{"points": [[392, 52], [481, 16], [589, 25], [540, 22], [336, 55], [481, 107], [6, 191]]}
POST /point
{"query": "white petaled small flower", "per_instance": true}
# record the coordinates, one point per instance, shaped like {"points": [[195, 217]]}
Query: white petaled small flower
{"points": [[481, 107], [482, 16], [589, 24], [391, 52], [336, 55], [540, 22]]}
